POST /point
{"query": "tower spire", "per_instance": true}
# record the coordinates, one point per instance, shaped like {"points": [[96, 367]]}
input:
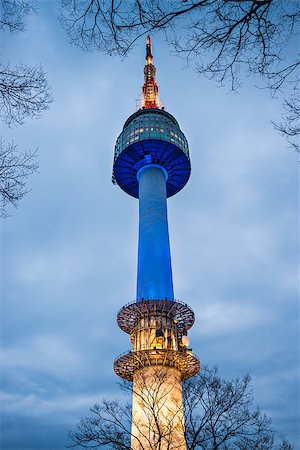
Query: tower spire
{"points": [[150, 88]]}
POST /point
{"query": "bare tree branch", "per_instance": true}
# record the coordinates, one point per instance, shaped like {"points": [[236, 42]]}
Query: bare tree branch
{"points": [[290, 125], [218, 416], [217, 37], [24, 92], [224, 40], [15, 168], [13, 13]]}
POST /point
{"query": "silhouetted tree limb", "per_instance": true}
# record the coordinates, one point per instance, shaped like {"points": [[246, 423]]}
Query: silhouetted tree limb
{"points": [[24, 92], [290, 125], [13, 13], [217, 36], [111, 423], [15, 168], [218, 416], [224, 40]]}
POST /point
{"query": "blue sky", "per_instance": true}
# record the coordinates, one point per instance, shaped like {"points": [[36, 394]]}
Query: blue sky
{"points": [[69, 252]]}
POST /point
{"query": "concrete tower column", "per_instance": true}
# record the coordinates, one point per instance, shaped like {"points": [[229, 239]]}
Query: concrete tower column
{"points": [[154, 277], [157, 410]]}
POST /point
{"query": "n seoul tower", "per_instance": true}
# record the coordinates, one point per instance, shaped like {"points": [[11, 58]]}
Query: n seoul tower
{"points": [[152, 163]]}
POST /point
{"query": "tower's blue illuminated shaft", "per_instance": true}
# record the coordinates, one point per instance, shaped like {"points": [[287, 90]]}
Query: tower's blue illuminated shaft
{"points": [[154, 277]]}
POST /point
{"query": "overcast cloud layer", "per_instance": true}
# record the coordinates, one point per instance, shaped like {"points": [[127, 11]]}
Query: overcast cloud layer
{"points": [[69, 251]]}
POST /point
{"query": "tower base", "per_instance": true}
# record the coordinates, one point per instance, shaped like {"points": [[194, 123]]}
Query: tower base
{"points": [[157, 409]]}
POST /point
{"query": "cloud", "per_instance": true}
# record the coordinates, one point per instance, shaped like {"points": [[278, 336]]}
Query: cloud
{"points": [[48, 354], [228, 317], [34, 405]]}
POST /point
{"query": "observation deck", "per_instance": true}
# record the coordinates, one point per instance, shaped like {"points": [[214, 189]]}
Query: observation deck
{"points": [[158, 329], [151, 136], [183, 360]]}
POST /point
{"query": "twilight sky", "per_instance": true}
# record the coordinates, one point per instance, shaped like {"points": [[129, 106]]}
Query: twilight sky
{"points": [[69, 252]]}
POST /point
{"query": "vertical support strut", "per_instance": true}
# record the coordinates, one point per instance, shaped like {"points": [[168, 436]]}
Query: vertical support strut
{"points": [[154, 277]]}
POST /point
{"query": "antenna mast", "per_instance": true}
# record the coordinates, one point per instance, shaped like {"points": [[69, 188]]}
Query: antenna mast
{"points": [[150, 89]]}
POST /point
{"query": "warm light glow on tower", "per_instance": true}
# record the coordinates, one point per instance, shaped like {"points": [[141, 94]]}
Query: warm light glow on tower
{"points": [[150, 89], [152, 163]]}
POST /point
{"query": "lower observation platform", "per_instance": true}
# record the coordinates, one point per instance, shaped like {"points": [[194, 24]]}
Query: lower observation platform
{"points": [[184, 361]]}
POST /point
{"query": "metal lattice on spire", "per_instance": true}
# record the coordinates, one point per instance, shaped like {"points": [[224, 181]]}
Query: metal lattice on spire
{"points": [[150, 88]]}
